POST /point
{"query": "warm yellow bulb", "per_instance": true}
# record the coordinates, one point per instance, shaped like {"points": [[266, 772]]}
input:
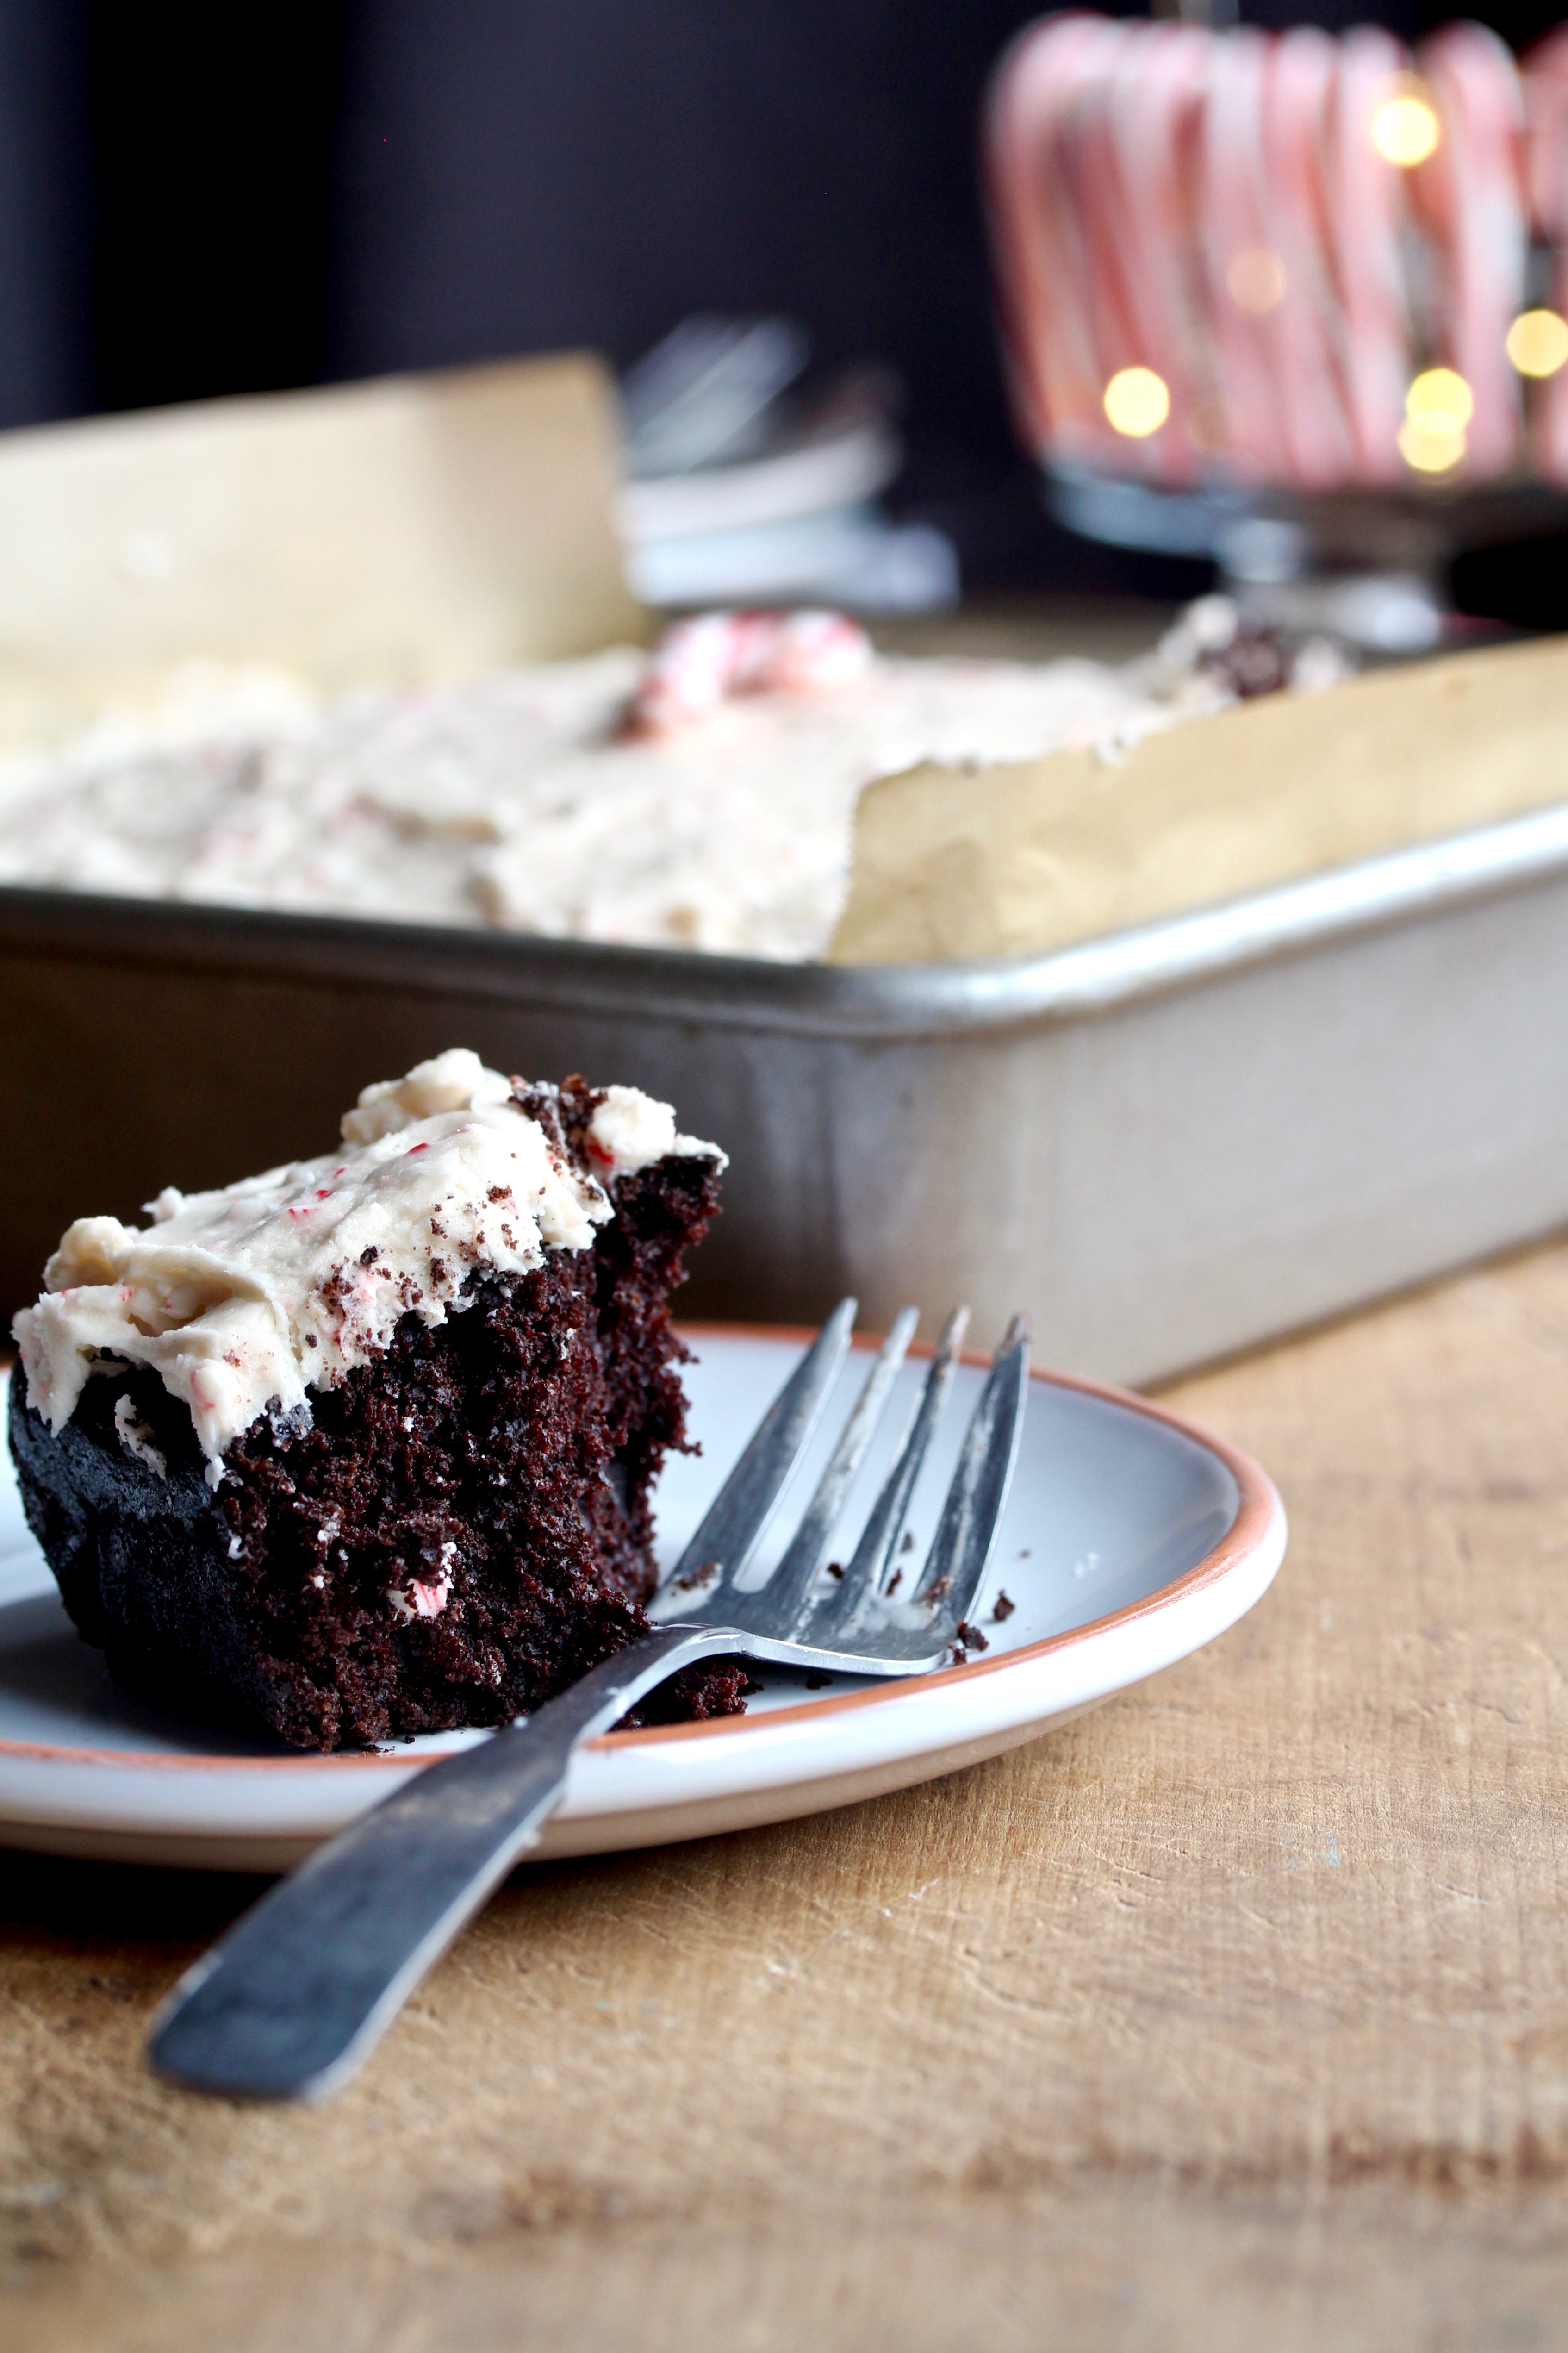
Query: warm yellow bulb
{"points": [[1433, 445], [1538, 342], [1406, 129], [1137, 401], [1256, 280], [1438, 399]]}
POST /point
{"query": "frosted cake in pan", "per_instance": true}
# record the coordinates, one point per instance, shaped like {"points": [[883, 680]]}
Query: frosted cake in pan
{"points": [[702, 797]]}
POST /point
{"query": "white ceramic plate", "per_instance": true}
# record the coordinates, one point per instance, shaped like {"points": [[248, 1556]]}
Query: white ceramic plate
{"points": [[1130, 1540]]}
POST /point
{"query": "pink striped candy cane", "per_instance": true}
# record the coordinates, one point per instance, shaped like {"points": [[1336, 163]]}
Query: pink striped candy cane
{"points": [[1546, 163], [1302, 332], [1234, 218], [1055, 372], [699, 664], [1365, 209], [1150, 124], [1471, 198]]}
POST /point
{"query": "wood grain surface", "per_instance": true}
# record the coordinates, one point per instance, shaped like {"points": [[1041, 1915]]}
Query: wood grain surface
{"points": [[1233, 2016]]}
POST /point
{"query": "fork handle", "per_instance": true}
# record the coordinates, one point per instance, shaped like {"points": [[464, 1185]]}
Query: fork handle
{"points": [[288, 2004]]}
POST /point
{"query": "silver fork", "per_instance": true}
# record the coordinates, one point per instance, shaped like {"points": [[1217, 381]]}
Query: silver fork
{"points": [[295, 1997]]}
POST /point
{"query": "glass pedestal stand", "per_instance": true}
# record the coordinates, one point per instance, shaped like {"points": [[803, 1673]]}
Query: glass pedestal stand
{"points": [[1367, 567]]}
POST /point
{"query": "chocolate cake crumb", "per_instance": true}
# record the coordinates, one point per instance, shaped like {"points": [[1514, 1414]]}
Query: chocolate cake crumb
{"points": [[1002, 1608], [909, 1542], [970, 1636], [1254, 662]]}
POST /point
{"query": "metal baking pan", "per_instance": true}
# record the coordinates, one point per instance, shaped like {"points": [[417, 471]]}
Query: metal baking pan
{"points": [[1166, 1146]]}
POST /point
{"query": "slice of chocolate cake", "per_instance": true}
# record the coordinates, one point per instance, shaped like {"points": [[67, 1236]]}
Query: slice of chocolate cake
{"points": [[364, 1447]]}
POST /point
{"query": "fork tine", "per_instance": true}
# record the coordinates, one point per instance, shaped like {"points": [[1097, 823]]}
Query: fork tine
{"points": [[973, 1512], [780, 1602], [744, 1504], [829, 1614]]}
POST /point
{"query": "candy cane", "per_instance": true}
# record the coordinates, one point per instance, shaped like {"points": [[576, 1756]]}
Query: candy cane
{"points": [[1138, 173], [1055, 372], [1546, 165], [1149, 122], [1365, 207], [700, 663], [1303, 331], [1233, 225], [1470, 195]]}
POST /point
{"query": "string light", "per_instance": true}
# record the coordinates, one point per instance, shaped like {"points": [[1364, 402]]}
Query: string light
{"points": [[1439, 399], [1137, 401], [1406, 129], [1538, 342], [1431, 445], [1256, 280], [1437, 408]]}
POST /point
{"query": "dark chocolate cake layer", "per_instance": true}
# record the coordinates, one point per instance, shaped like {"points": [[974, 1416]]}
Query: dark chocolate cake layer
{"points": [[462, 1530]]}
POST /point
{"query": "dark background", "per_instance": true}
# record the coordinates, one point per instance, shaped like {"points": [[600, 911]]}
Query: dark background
{"points": [[195, 203]]}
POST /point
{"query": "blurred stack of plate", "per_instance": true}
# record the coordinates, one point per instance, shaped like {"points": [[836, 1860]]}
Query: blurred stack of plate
{"points": [[743, 488]]}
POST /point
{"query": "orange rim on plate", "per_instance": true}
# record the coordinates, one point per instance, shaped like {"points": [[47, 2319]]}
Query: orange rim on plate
{"points": [[1258, 1507]]}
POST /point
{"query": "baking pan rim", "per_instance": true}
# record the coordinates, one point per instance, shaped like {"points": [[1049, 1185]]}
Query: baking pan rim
{"points": [[873, 1003]]}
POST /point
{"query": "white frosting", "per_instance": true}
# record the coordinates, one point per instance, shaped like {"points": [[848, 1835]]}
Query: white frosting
{"points": [[514, 801], [244, 1299], [456, 1080], [630, 1131]]}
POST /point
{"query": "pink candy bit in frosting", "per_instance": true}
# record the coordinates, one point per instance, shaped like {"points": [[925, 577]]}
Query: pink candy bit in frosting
{"points": [[701, 663]]}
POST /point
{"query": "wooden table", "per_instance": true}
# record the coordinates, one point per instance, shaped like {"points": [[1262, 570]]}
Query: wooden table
{"points": [[1234, 2016]]}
